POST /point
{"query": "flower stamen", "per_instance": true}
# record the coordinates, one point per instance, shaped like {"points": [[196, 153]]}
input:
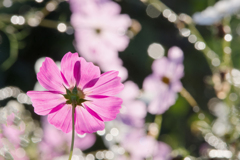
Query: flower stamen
{"points": [[166, 80], [98, 31]]}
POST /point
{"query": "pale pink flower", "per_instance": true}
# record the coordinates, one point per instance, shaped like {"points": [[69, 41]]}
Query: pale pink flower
{"points": [[95, 92], [102, 25], [142, 146], [133, 111], [114, 64], [11, 131], [54, 141], [100, 31], [12, 134], [162, 85], [83, 7], [19, 154], [139, 145], [163, 152]]}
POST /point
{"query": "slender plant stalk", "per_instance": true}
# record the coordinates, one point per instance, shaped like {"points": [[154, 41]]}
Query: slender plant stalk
{"points": [[227, 59], [158, 121], [13, 52], [188, 97], [73, 131]]}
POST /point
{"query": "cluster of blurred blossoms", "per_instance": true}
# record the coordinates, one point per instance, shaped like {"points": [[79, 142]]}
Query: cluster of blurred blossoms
{"points": [[23, 138]]}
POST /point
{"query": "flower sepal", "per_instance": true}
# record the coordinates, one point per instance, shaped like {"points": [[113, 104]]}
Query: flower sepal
{"points": [[74, 97]]}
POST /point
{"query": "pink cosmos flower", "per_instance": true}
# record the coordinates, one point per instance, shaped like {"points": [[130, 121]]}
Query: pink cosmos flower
{"points": [[82, 80], [163, 152], [101, 27], [163, 84], [12, 132], [82, 6], [100, 31], [142, 146], [139, 145], [19, 154], [133, 111], [51, 146]]}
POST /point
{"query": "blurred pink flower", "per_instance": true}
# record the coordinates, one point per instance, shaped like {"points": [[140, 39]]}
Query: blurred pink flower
{"points": [[10, 119], [54, 142], [114, 64], [12, 134], [163, 84], [84, 142], [133, 111], [142, 146], [11, 131], [139, 145], [83, 7], [95, 91], [163, 152], [102, 26], [100, 32], [19, 154]]}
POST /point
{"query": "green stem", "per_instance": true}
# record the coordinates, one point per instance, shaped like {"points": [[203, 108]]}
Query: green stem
{"points": [[73, 131], [158, 121], [13, 52], [185, 94], [227, 59]]}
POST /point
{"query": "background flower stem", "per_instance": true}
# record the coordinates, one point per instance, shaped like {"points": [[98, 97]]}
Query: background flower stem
{"points": [[158, 121], [13, 52], [184, 93]]}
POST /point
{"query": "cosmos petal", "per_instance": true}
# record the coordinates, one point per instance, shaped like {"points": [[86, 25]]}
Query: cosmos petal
{"points": [[80, 21], [106, 107], [179, 72], [110, 8], [85, 72], [121, 22], [175, 54], [67, 65], [177, 86], [162, 103], [130, 91], [50, 76], [44, 101], [159, 66], [120, 41], [86, 123], [82, 143], [107, 84], [62, 118], [150, 84]]}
